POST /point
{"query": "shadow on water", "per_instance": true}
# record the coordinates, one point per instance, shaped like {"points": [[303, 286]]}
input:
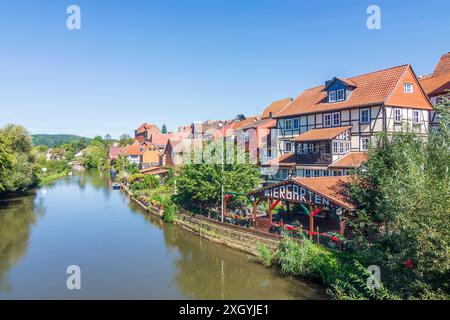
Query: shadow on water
{"points": [[17, 215]]}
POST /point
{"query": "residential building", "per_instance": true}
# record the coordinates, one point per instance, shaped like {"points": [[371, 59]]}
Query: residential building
{"points": [[257, 134], [145, 131], [437, 84], [327, 129]]}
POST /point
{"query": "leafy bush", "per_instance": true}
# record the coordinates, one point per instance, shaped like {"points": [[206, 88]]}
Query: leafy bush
{"points": [[169, 213], [143, 182], [264, 254]]}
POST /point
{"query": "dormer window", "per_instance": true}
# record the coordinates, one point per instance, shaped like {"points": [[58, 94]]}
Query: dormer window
{"points": [[340, 95], [408, 88], [332, 96]]}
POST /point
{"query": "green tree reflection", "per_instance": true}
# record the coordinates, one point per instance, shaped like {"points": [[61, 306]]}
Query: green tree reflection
{"points": [[17, 215]]}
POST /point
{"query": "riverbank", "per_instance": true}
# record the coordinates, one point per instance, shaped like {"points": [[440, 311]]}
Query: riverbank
{"points": [[232, 236]]}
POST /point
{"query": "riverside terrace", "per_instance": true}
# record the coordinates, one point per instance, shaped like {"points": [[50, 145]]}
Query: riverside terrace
{"points": [[317, 207]]}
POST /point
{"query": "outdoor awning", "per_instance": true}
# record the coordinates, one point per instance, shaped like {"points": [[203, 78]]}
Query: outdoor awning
{"points": [[324, 191], [323, 134]]}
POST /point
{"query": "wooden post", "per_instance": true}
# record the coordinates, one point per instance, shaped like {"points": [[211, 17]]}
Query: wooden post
{"points": [[270, 212], [311, 219], [255, 206], [342, 227], [224, 206], [318, 235]]}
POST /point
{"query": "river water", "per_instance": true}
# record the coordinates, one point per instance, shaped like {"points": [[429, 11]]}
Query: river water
{"points": [[122, 252]]}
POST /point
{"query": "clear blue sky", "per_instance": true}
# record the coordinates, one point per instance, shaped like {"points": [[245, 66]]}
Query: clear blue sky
{"points": [[174, 62]]}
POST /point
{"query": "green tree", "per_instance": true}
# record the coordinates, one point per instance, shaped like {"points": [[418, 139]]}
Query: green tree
{"points": [[125, 140], [201, 183], [21, 172], [403, 222], [5, 161]]}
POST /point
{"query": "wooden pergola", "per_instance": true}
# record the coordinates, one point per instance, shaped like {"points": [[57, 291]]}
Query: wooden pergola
{"points": [[312, 194]]}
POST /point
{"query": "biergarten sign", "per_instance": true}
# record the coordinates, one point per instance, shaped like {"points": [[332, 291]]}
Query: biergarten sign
{"points": [[295, 193]]}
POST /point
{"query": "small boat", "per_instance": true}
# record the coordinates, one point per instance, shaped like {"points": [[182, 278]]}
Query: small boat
{"points": [[116, 185]]}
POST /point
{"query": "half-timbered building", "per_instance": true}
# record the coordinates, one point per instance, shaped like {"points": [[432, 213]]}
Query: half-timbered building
{"points": [[327, 129]]}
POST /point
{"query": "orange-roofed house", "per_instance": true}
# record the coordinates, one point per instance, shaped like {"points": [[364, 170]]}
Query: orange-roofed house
{"points": [[335, 122], [145, 131], [437, 85], [257, 134]]}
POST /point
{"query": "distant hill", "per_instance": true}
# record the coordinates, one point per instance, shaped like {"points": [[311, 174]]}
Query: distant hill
{"points": [[54, 140]]}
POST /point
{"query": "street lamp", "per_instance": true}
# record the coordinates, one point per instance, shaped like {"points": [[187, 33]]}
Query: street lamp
{"points": [[221, 125]]}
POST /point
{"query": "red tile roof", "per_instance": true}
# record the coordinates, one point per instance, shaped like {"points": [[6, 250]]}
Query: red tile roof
{"points": [[276, 107], [443, 65], [153, 170], [350, 160], [160, 139], [333, 188], [371, 89], [321, 134], [286, 160], [134, 149], [262, 124], [114, 152], [436, 85], [145, 126]]}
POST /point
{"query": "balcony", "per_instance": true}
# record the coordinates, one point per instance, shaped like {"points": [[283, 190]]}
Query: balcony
{"points": [[314, 158]]}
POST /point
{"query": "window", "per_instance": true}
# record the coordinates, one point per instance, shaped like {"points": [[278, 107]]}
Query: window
{"points": [[365, 116], [332, 96], [335, 147], [416, 116], [288, 124], [397, 115], [408, 88], [296, 123], [307, 173], [341, 147], [316, 173], [337, 173], [365, 144], [288, 146], [327, 120], [336, 119], [340, 95]]}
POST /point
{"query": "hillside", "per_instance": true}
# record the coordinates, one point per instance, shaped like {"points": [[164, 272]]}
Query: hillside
{"points": [[54, 140]]}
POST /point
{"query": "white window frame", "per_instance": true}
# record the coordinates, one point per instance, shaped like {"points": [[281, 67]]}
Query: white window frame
{"points": [[331, 96], [290, 146], [365, 145], [416, 113], [408, 87], [325, 120], [397, 112], [335, 147], [342, 91], [361, 118], [286, 124], [338, 123]]}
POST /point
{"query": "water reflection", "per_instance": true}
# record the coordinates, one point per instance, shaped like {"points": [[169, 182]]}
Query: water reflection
{"points": [[124, 252], [17, 215]]}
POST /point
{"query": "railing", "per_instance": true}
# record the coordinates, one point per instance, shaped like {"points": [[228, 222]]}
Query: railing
{"points": [[314, 158]]}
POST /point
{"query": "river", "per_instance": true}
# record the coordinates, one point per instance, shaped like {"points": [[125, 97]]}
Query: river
{"points": [[122, 252]]}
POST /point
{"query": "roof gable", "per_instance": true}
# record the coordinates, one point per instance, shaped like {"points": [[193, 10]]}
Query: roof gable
{"points": [[417, 99]]}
